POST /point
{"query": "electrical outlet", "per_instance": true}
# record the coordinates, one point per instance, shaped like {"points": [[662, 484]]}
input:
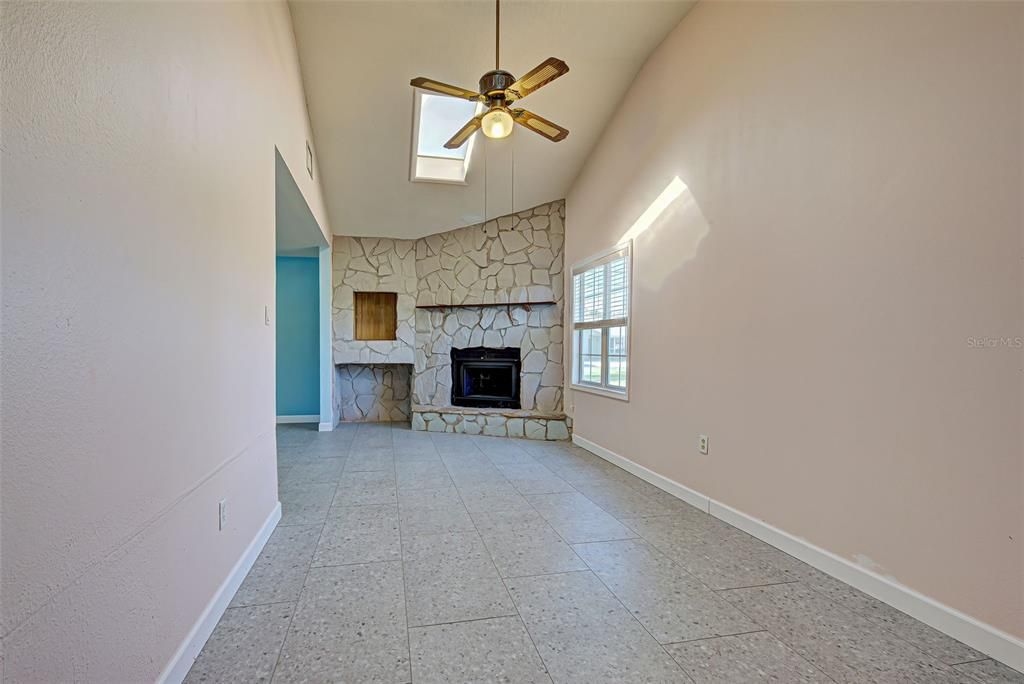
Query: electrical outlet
{"points": [[702, 444], [222, 514]]}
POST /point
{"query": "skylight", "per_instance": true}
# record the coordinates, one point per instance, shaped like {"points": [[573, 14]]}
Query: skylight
{"points": [[436, 119]]}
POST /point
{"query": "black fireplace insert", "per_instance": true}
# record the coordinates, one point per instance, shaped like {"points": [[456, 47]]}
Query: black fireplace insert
{"points": [[485, 378]]}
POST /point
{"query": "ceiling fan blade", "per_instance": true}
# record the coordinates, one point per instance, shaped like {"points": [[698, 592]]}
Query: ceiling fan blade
{"points": [[465, 133], [445, 89], [544, 73], [540, 125]]}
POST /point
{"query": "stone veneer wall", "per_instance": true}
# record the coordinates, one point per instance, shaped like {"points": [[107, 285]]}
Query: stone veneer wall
{"points": [[373, 265], [515, 258], [489, 270], [373, 393], [537, 332]]}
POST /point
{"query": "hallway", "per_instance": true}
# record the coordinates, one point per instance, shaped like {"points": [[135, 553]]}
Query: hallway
{"points": [[412, 556]]}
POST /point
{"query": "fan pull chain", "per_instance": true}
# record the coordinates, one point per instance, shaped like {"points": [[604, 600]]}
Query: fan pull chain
{"points": [[486, 155]]}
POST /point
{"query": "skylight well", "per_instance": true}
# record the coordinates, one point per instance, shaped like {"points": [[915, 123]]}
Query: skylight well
{"points": [[435, 119]]}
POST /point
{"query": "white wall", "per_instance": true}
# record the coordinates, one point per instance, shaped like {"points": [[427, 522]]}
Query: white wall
{"points": [[138, 374], [852, 217]]}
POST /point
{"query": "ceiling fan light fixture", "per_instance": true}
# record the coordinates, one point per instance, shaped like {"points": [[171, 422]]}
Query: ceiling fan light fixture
{"points": [[499, 88], [497, 123]]}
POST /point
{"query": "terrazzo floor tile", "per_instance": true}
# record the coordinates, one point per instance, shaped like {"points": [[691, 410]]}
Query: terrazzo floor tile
{"points": [[534, 478], [584, 634], [577, 519], [930, 640], [736, 562], [372, 478], [372, 458], [991, 672], [620, 501], [326, 449], [364, 488], [493, 521], [844, 645], [451, 578], [432, 511], [296, 435], [291, 456], [359, 534], [454, 444], [416, 454], [320, 470], [492, 650], [492, 496], [755, 657], [510, 458], [280, 569], [426, 499], [306, 503], [582, 474], [350, 621], [423, 475], [717, 554], [530, 551], [663, 498], [365, 439], [670, 603], [244, 646], [562, 504], [476, 475], [349, 626]]}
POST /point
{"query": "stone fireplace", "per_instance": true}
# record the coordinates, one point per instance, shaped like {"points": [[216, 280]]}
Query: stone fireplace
{"points": [[483, 289]]}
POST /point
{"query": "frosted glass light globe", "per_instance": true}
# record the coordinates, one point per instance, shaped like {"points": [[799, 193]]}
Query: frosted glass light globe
{"points": [[497, 123]]}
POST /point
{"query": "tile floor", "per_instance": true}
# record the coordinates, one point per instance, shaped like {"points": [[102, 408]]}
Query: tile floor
{"points": [[406, 556]]}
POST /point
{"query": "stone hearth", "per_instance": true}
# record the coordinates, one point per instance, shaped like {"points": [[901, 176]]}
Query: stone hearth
{"points": [[493, 422]]}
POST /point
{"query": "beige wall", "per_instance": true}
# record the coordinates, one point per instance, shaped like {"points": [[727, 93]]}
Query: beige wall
{"points": [[853, 216], [138, 375]]}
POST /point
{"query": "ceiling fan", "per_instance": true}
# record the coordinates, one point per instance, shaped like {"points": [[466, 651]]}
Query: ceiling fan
{"points": [[498, 89]]}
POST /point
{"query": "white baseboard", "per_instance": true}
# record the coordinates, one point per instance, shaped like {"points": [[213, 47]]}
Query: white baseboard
{"points": [[325, 427], [186, 654], [311, 418], [994, 642], [688, 495]]}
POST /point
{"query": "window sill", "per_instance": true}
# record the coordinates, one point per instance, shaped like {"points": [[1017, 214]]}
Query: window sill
{"points": [[443, 181], [601, 392]]}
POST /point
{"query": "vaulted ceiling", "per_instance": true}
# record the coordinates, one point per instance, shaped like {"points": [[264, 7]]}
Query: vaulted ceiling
{"points": [[357, 58]]}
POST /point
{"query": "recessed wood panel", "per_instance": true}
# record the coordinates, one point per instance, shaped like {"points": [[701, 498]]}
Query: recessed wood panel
{"points": [[376, 315]]}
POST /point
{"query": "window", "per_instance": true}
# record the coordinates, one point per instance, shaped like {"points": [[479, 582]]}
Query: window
{"points": [[600, 323], [436, 118]]}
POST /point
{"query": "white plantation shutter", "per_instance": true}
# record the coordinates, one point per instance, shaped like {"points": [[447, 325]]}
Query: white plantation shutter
{"points": [[600, 321], [601, 291], [618, 288]]}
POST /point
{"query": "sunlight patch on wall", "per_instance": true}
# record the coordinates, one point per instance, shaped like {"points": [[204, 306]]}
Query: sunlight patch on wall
{"points": [[675, 247], [670, 194]]}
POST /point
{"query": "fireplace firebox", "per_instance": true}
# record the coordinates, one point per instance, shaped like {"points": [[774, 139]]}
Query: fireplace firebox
{"points": [[483, 377]]}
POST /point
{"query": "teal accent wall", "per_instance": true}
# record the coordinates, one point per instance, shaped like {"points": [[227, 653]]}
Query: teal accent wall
{"points": [[298, 336]]}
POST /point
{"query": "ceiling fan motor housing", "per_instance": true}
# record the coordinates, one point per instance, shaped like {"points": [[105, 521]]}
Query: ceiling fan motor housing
{"points": [[493, 84]]}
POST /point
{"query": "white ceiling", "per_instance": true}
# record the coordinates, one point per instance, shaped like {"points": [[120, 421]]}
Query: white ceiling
{"points": [[296, 231], [357, 59]]}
